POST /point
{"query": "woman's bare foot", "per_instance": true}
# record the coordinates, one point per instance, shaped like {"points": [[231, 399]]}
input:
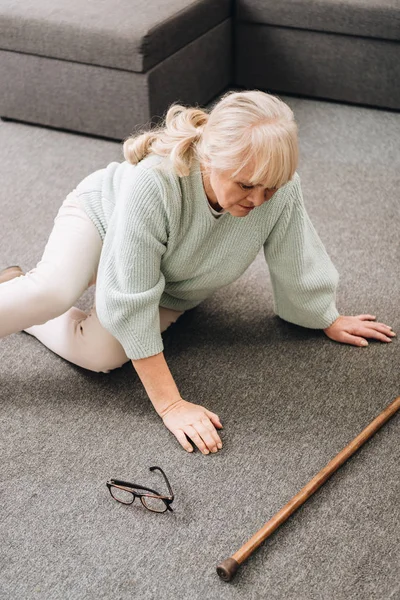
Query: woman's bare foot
{"points": [[10, 273]]}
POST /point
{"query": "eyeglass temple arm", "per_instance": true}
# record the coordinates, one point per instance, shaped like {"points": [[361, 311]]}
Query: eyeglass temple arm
{"points": [[171, 493], [133, 486]]}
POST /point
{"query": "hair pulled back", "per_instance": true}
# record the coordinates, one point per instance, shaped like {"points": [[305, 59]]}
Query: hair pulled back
{"points": [[176, 139], [243, 128]]}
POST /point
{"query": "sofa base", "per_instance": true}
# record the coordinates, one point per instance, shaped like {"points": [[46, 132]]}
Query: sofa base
{"points": [[332, 66]]}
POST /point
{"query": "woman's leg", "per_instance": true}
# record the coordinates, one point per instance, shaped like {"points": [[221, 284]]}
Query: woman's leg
{"points": [[40, 302], [68, 265], [82, 340]]}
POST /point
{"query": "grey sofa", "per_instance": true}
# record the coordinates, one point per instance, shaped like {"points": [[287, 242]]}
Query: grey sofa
{"points": [[346, 50], [104, 68]]}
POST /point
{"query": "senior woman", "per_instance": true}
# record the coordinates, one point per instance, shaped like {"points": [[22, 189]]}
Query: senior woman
{"points": [[185, 214]]}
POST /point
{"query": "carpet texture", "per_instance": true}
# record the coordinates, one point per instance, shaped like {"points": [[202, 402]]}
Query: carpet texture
{"points": [[289, 399]]}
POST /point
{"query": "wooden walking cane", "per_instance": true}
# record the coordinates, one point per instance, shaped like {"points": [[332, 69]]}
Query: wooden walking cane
{"points": [[227, 568]]}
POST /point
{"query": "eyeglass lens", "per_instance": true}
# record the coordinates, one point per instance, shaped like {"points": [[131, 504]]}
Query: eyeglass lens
{"points": [[154, 504], [122, 495]]}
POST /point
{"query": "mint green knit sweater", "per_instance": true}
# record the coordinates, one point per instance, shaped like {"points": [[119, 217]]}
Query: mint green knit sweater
{"points": [[163, 245]]}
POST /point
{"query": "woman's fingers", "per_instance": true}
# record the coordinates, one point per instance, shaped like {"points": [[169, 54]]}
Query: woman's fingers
{"points": [[366, 317], [192, 432], [354, 340], [215, 420], [182, 439], [379, 335], [186, 420], [211, 435], [370, 321], [204, 436], [377, 331], [358, 336]]}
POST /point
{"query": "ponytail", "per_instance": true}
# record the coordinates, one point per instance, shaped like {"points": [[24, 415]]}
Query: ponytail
{"points": [[177, 139]]}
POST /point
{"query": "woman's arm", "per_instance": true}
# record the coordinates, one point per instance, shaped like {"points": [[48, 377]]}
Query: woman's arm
{"points": [[303, 277], [130, 281], [158, 382], [184, 419]]}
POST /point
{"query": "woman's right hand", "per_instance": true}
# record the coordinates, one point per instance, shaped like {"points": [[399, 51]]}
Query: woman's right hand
{"points": [[183, 419]]}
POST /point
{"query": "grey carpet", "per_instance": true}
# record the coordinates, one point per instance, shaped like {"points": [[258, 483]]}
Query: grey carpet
{"points": [[289, 399]]}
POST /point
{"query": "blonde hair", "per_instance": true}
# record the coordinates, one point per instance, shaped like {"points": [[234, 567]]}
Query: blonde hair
{"points": [[243, 128]]}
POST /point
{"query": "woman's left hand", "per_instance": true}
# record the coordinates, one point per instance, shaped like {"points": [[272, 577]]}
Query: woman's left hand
{"points": [[354, 330]]}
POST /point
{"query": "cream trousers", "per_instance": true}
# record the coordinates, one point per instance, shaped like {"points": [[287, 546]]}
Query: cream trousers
{"points": [[41, 302]]}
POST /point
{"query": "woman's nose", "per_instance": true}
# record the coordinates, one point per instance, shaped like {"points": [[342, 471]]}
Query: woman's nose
{"points": [[258, 196]]}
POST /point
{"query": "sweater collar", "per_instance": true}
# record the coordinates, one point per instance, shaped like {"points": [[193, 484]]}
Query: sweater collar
{"points": [[199, 182]]}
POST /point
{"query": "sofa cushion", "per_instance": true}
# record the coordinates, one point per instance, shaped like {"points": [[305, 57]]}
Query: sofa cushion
{"points": [[113, 102], [370, 18], [129, 34]]}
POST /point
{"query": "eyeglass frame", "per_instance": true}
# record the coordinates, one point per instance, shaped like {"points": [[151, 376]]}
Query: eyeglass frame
{"points": [[131, 488]]}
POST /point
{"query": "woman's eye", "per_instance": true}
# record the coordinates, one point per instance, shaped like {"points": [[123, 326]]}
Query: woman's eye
{"points": [[246, 187]]}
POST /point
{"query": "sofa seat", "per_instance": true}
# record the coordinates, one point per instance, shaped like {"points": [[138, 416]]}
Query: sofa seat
{"points": [[346, 50], [104, 67]]}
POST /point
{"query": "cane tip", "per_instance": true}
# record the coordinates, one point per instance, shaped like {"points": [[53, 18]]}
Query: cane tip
{"points": [[227, 569]]}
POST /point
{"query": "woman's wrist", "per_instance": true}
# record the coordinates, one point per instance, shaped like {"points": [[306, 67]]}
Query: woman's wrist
{"points": [[163, 411], [333, 322], [158, 382]]}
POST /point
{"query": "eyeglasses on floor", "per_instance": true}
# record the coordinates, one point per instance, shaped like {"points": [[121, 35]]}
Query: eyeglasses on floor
{"points": [[126, 492]]}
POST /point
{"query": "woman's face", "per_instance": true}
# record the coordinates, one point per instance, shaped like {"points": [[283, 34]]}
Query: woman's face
{"points": [[235, 194]]}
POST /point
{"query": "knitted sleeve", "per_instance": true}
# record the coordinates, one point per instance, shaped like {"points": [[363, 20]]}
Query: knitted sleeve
{"points": [[303, 278], [129, 282]]}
